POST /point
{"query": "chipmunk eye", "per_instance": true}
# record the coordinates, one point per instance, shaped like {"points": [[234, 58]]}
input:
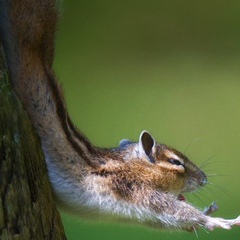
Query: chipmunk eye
{"points": [[175, 161]]}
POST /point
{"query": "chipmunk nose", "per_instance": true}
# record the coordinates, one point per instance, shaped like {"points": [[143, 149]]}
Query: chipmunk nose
{"points": [[203, 180]]}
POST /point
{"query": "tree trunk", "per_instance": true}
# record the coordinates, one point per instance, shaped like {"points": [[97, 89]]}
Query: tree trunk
{"points": [[27, 208]]}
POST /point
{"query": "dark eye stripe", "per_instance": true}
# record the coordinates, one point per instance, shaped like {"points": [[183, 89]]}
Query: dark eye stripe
{"points": [[175, 162]]}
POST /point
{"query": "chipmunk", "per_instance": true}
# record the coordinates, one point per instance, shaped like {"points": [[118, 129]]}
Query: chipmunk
{"points": [[140, 181]]}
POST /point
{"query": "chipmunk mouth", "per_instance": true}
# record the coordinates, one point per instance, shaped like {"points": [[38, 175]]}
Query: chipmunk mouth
{"points": [[181, 198]]}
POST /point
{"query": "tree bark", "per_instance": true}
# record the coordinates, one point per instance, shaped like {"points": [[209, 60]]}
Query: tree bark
{"points": [[27, 208]]}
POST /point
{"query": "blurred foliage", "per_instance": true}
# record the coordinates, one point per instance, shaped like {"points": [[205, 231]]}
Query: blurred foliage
{"points": [[171, 67]]}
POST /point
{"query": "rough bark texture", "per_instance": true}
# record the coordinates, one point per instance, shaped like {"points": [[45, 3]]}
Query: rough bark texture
{"points": [[27, 208]]}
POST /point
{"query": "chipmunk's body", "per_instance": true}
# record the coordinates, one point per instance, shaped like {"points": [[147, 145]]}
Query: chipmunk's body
{"points": [[142, 181]]}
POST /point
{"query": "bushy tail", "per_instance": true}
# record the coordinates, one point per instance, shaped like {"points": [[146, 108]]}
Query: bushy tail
{"points": [[27, 27]]}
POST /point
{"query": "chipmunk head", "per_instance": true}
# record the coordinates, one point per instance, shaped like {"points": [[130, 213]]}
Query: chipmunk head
{"points": [[173, 171]]}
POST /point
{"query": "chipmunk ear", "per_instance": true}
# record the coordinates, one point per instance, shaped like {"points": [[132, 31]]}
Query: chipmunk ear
{"points": [[123, 143], [146, 143]]}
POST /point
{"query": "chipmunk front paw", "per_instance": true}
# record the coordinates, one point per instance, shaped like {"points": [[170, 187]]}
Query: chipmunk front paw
{"points": [[213, 223], [210, 209]]}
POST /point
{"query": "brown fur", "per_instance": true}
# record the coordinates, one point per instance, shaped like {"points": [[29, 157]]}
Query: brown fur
{"points": [[138, 180]]}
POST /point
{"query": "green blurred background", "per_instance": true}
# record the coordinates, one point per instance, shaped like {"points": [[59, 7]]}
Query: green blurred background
{"points": [[170, 67]]}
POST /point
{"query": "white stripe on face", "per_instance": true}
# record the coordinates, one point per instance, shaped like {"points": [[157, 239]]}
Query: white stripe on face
{"points": [[170, 154]]}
